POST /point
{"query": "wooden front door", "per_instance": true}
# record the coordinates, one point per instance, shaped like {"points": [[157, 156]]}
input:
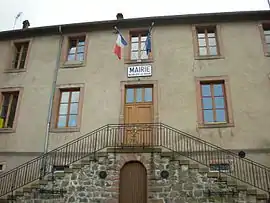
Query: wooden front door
{"points": [[138, 111], [133, 183]]}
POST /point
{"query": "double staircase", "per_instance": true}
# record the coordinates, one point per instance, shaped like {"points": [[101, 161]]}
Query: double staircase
{"points": [[117, 137]]}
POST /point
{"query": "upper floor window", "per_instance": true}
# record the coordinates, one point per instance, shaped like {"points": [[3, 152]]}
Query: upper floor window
{"points": [[20, 54], [207, 41], [68, 108], [9, 101], [266, 38], [76, 49], [137, 46]]}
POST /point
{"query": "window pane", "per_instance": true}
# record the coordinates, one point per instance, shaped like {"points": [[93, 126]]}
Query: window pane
{"points": [[12, 111], [212, 41], [143, 38], [74, 108], [64, 97], [75, 96], [72, 121], [71, 57], [63, 109], [207, 103], [206, 90], [143, 47], [61, 121], [219, 102], [211, 34], [129, 95], [134, 46], [201, 35], [144, 55], [213, 51], [80, 57], [148, 94], [139, 95], [202, 42], [202, 51], [267, 39], [208, 116], [220, 114], [134, 39], [72, 50], [134, 55], [218, 90], [267, 32], [80, 49], [81, 42]]}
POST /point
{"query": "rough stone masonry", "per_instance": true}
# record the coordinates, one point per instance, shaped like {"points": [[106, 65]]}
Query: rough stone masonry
{"points": [[183, 185]]}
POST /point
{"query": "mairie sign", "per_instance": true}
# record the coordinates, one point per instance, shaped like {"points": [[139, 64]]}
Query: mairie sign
{"points": [[139, 71]]}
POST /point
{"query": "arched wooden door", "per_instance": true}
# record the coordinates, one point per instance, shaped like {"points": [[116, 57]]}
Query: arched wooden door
{"points": [[133, 183]]}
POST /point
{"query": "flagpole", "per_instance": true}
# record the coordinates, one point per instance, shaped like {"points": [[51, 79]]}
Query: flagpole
{"points": [[268, 3], [16, 18]]}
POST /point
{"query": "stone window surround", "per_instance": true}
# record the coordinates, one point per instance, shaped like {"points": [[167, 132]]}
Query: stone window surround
{"points": [[10, 68], [123, 85], [53, 128], [64, 52], [218, 41], [260, 27], [4, 165], [127, 51], [200, 123], [12, 89]]}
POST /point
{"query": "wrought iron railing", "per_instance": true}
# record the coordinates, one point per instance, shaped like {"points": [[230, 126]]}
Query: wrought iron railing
{"points": [[136, 135]]}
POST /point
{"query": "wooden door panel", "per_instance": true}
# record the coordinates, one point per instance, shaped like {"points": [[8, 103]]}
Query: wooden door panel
{"points": [[133, 183]]}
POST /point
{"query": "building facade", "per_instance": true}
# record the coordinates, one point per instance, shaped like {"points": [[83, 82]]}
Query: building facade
{"points": [[207, 75]]}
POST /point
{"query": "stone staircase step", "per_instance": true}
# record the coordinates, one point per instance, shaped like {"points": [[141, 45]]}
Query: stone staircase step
{"points": [[241, 187], [76, 166], [184, 162], [43, 182], [203, 170], [193, 166], [19, 193], [27, 189], [68, 170], [85, 162], [251, 192], [167, 154], [213, 174], [231, 183], [35, 186], [261, 196], [59, 174]]}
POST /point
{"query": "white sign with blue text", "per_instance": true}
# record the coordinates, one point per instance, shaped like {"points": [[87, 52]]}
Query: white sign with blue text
{"points": [[139, 71]]}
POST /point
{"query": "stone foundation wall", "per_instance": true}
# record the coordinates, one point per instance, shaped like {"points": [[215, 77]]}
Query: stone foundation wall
{"points": [[183, 185]]}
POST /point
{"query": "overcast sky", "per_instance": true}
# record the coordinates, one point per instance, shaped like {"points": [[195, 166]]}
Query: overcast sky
{"points": [[51, 12]]}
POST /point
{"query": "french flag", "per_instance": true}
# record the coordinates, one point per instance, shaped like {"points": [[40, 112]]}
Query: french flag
{"points": [[120, 43]]}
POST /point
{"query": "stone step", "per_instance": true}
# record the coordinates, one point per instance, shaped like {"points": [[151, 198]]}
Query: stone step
{"points": [[213, 174], [251, 192], [27, 189], [193, 166], [203, 170], [68, 170], [76, 166], [19, 193], [241, 187], [184, 162], [261, 196]]}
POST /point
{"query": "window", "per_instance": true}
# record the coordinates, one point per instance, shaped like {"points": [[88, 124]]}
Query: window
{"points": [[68, 108], [221, 167], [76, 49], [2, 166], [213, 100], [20, 55], [9, 102], [139, 94], [266, 38], [207, 41], [137, 46]]}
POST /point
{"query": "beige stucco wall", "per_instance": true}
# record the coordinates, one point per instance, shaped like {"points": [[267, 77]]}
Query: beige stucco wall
{"points": [[175, 70]]}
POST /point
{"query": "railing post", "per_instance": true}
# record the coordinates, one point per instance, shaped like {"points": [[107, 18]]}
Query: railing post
{"points": [[107, 136]]}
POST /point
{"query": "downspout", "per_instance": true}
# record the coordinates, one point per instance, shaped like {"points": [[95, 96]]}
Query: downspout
{"points": [[57, 65]]}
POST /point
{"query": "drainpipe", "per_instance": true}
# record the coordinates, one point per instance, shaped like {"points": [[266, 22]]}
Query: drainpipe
{"points": [[57, 65]]}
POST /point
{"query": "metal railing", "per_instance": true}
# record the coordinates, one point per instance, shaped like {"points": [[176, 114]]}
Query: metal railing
{"points": [[136, 135]]}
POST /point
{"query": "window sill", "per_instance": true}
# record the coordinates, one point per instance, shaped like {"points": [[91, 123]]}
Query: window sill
{"points": [[139, 61], [7, 130], [65, 130], [208, 57], [14, 70], [216, 125], [73, 64]]}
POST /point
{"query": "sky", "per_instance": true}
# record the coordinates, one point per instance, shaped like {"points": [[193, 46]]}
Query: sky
{"points": [[54, 12]]}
